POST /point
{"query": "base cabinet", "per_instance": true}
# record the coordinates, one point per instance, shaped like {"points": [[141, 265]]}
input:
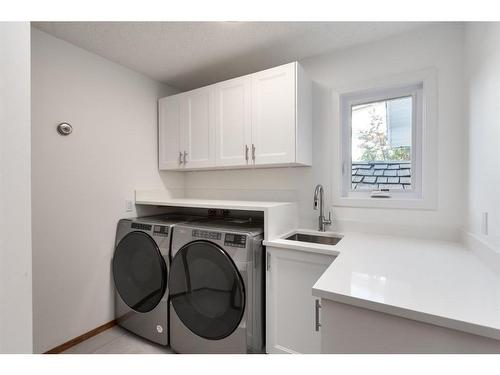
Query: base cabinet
{"points": [[348, 329], [291, 312]]}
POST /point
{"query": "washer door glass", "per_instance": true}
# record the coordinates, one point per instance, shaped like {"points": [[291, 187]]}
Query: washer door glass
{"points": [[206, 290], [139, 272]]}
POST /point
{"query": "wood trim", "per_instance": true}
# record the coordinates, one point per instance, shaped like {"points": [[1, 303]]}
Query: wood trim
{"points": [[77, 340]]}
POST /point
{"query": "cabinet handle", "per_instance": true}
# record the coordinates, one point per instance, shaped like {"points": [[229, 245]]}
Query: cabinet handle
{"points": [[246, 152], [180, 157], [268, 261], [185, 154], [253, 152], [317, 307]]}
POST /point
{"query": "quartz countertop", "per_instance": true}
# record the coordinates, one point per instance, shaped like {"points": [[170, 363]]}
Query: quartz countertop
{"points": [[213, 203], [279, 217], [436, 282]]}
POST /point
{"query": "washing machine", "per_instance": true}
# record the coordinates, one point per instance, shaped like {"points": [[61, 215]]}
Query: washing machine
{"points": [[140, 268], [216, 287]]}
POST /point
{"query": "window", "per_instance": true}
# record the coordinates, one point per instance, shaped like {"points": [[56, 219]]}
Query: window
{"points": [[381, 143], [385, 142]]}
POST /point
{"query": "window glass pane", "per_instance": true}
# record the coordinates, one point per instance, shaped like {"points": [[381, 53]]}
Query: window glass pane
{"points": [[381, 145]]}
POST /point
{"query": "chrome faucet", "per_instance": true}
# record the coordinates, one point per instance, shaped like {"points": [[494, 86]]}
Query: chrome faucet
{"points": [[318, 201]]}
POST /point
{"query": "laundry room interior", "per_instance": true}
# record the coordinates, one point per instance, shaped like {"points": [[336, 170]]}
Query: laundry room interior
{"points": [[244, 187]]}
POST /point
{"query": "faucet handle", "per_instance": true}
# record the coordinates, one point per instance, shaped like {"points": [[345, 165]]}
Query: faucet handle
{"points": [[329, 220]]}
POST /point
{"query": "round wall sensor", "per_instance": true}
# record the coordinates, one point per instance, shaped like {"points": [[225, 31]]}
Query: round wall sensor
{"points": [[64, 128]]}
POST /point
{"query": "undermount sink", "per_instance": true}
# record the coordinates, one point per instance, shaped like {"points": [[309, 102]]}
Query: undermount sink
{"points": [[323, 240]]}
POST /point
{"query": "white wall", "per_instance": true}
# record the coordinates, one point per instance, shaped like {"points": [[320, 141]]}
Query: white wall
{"points": [[16, 329], [439, 46], [81, 182], [483, 102]]}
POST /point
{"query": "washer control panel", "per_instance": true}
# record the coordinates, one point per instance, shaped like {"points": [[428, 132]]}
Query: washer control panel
{"points": [[207, 235], [235, 240]]}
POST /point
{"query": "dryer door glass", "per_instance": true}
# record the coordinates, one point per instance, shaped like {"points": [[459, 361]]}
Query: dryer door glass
{"points": [[206, 290], [139, 272]]}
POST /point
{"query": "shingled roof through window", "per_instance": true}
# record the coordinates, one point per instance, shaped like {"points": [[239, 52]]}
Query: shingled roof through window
{"points": [[368, 176]]}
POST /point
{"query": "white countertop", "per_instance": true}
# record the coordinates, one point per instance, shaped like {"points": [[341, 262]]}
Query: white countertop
{"points": [[279, 217], [436, 282], [167, 198], [214, 203]]}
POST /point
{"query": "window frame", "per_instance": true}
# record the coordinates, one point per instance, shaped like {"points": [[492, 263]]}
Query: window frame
{"points": [[383, 94], [422, 86]]}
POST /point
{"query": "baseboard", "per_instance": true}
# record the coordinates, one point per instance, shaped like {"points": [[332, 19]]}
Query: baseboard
{"points": [[77, 340], [483, 250]]}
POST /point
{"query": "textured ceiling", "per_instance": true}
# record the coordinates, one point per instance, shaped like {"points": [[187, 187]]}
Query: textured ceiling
{"points": [[187, 55]]}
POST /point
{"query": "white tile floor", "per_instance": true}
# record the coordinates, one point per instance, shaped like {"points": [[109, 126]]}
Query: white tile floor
{"points": [[117, 340]]}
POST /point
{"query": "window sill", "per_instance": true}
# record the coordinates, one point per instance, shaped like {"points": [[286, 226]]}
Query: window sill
{"points": [[386, 203]]}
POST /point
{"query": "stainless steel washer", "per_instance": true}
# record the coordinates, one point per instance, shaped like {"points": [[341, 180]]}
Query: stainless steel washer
{"points": [[216, 287], [140, 267]]}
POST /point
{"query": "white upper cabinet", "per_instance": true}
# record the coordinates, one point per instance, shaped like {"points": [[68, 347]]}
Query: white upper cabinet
{"points": [[233, 131], [260, 120], [170, 156], [196, 131], [273, 115]]}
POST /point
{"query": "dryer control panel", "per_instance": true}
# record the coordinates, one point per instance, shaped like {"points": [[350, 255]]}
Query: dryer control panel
{"points": [[235, 240], [140, 226], [160, 231], [206, 234]]}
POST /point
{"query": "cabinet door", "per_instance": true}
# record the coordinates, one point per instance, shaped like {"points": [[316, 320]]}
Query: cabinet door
{"points": [[197, 130], [290, 305], [169, 117], [273, 115], [232, 122]]}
